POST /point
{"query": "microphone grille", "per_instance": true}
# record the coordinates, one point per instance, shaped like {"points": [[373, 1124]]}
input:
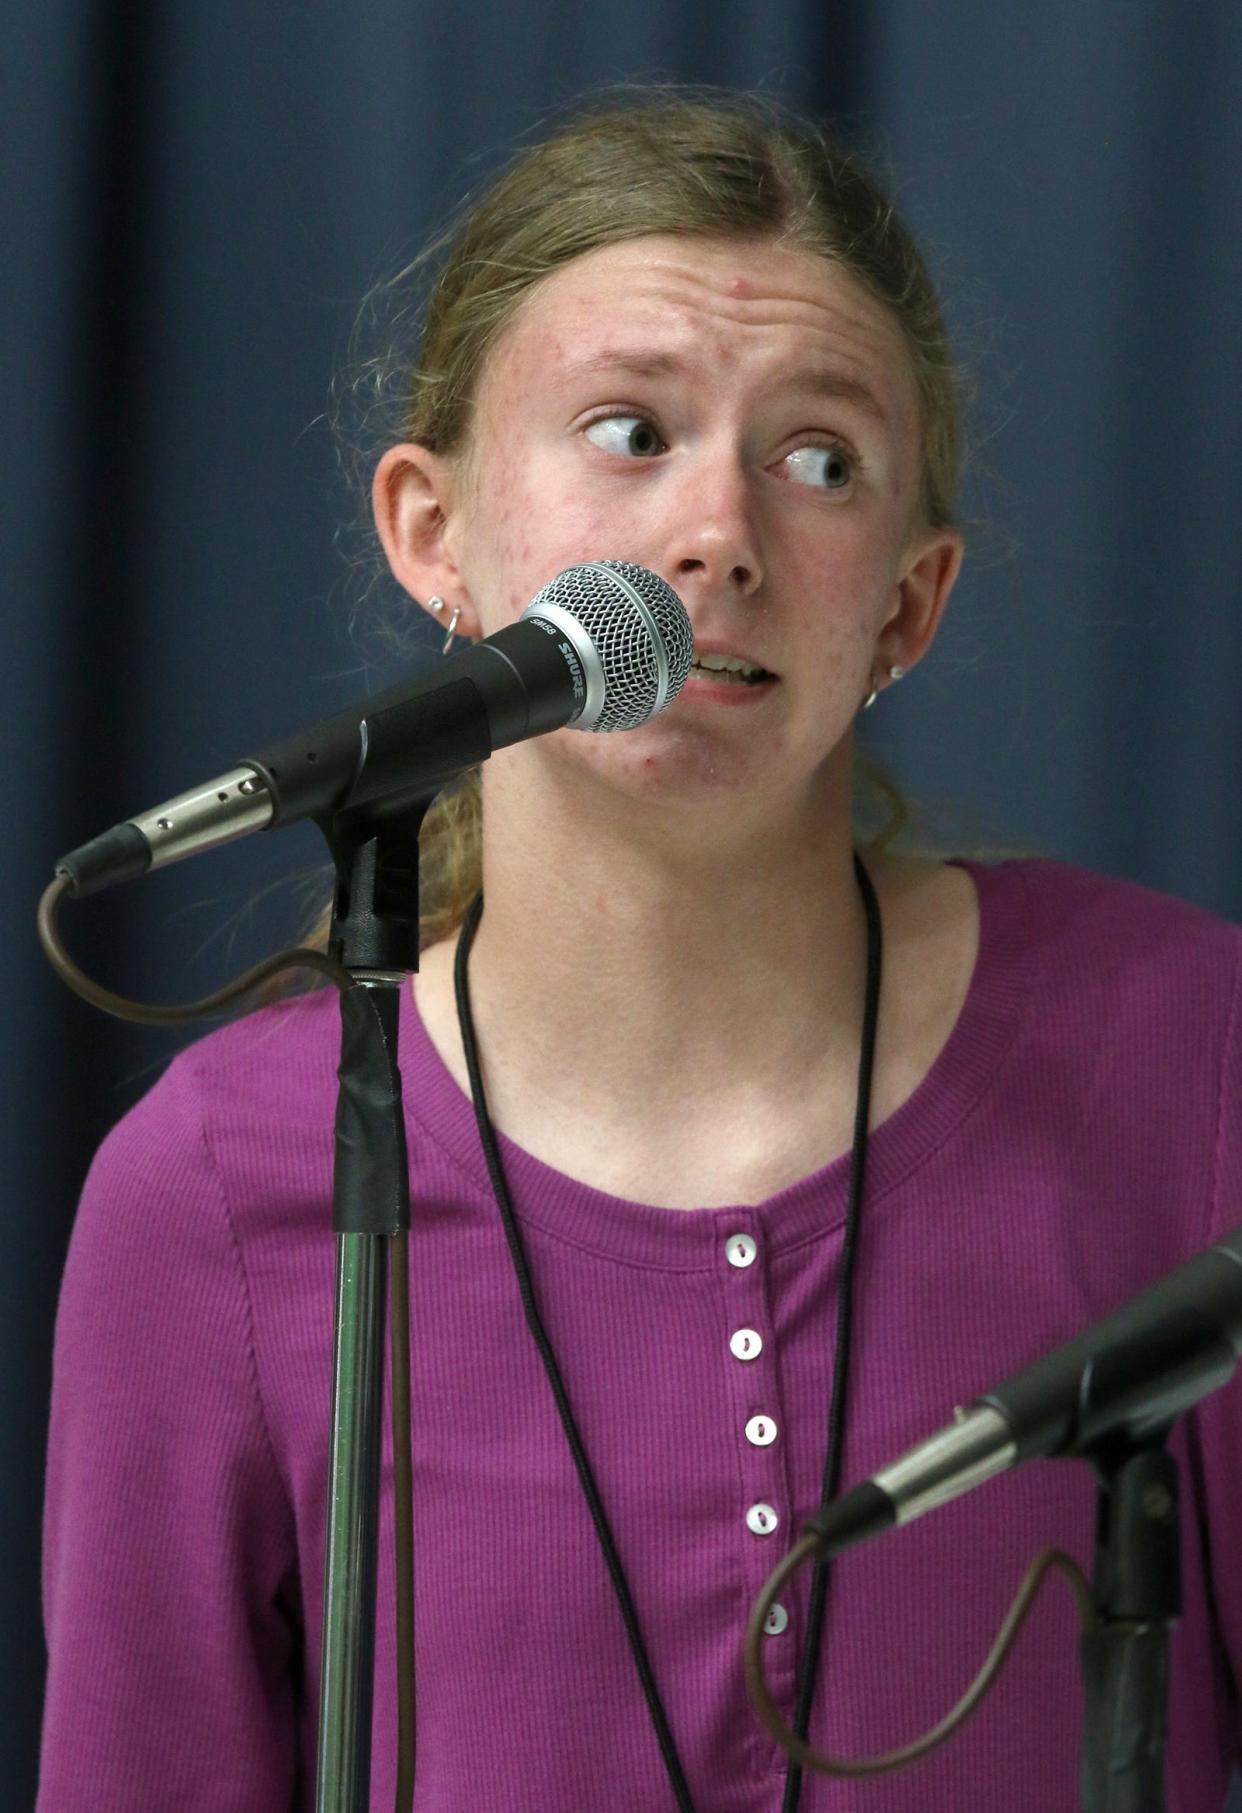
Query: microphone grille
{"points": [[639, 630]]}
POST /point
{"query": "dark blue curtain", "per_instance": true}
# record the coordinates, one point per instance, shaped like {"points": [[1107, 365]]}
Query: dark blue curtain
{"points": [[198, 195]]}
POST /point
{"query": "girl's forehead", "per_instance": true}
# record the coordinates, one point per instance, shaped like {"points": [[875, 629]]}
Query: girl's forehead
{"points": [[693, 299], [738, 279]]}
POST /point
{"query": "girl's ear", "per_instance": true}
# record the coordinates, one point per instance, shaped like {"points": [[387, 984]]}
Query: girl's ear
{"points": [[413, 495], [929, 572]]}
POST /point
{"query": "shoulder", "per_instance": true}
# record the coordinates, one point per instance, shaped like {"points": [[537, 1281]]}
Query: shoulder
{"points": [[282, 1057], [1098, 930], [243, 1114], [1121, 1074], [205, 1199], [1128, 1005]]}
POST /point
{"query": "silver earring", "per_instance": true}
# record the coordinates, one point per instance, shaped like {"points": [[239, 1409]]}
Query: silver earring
{"points": [[896, 672], [452, 629]]}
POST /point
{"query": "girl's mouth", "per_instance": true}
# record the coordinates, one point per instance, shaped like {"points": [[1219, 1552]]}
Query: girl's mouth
{"points": [[731, 669]]}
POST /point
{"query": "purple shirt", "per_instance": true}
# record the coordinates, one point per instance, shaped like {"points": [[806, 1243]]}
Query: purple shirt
{"points": [[1078, 1136]]}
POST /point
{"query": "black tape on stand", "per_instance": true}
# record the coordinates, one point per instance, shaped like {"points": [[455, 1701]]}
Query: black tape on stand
{"points": [[369, 1193]]}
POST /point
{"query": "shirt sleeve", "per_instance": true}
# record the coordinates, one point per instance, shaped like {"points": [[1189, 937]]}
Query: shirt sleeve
{"points": [[1216, 1423], [170, 1590]]}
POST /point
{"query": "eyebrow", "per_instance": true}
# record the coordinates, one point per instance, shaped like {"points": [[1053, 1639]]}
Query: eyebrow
{"points": [[815, 380], [639, 364], [849, 390]]}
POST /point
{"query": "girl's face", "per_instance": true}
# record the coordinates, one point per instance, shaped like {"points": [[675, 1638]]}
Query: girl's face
{"points": [[742, 418]]}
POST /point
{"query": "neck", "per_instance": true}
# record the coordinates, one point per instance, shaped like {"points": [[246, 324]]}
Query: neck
{"points": [[702, 946], [670, 1009]]}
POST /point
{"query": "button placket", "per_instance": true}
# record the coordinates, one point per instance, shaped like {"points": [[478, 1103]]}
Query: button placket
{"points": [[759, 1435]]}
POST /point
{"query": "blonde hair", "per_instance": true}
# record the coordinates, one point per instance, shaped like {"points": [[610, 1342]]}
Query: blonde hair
{"points": [[680, 162]]}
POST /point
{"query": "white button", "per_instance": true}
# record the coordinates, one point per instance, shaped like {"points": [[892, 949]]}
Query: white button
{"points": [[745, 1344], [740, 1250], [761, 1431], [776, 1621], [762, 1519]]}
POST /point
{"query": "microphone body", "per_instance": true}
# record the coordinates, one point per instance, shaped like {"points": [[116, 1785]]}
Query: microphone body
{"points": [[602, 647], [1125, 1380], [409, 740]]}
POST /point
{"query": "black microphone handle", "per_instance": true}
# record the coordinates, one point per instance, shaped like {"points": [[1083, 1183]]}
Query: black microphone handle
{"points": [[383, 753], [1131, 1375], [523, 680], [1125, 1380]]}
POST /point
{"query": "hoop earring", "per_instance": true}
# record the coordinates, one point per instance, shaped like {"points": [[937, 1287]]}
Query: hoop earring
{"points": [[452, 629], [896, 672]]}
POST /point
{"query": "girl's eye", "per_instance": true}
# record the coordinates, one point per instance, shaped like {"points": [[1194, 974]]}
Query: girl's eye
{"points": [[831, 468], [626, 434]]}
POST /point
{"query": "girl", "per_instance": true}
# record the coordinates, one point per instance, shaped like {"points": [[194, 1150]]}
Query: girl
{"points": [[692, 336]]}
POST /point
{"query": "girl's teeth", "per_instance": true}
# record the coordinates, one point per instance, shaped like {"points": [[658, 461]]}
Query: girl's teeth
{"points": [[745, 674]]}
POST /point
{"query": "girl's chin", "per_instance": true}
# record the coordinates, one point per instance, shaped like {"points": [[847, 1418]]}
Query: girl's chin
{"points": [[671, 762]]}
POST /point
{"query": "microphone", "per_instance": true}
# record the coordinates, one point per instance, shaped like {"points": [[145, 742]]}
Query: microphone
{"points": [[603, 646], [1126, 1379]]}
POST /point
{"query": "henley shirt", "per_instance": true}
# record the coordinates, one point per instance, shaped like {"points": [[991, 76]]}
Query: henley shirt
{"points": [[1078, 1136]]}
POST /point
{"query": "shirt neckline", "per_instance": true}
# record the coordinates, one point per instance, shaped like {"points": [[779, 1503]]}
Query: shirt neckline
{"points": [[688, 1239]]}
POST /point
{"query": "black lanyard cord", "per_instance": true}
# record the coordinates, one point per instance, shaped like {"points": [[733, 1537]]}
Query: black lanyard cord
{"points": [[664, 1734], [836, 1413], [845, 1306]]}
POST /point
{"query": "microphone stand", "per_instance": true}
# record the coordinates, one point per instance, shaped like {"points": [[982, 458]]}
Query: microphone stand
{"points": [[375, 936], [1130, 1394], [1137, 1593]]}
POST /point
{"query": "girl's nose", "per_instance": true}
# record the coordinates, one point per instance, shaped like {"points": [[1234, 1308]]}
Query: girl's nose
{"points": [[716, 535]]}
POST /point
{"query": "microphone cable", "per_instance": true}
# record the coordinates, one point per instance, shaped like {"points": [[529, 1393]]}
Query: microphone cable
{"points": [[804, 1755], [152, 1013]]}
